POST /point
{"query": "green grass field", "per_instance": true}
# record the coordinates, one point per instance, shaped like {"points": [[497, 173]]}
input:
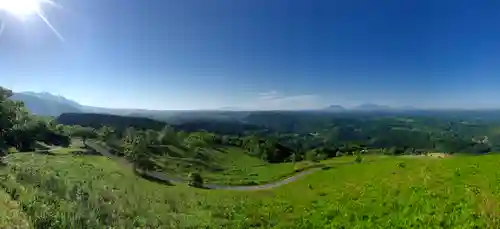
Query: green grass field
{"points": [[76, 145], [228, 165], [11, 214], [381, 192]]}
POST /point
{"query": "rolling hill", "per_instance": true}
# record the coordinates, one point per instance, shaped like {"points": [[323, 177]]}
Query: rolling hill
{"points": [[115, 121]]}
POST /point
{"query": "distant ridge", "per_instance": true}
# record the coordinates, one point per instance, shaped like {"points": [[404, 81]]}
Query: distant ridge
{"points": [[371, 107], [117, 121], [336, 108], [46, 104]]}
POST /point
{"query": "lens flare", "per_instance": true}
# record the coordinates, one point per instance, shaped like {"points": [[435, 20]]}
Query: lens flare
{"points": [[23, 9], [2, 26]]}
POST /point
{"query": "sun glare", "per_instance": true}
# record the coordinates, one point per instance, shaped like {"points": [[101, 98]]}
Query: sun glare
{"points": [[21, 8]]}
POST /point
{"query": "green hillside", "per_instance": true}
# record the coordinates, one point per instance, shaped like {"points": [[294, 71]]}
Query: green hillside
{"points": [[354, 171], [385, 192], [224, 165], [227, 165], [11, 214], [67, 191]]}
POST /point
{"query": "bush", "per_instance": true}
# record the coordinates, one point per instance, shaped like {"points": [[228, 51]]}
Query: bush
{"points": [[312, 155], [12, 150], [321, 157], [358, 159], [3, 158], [195, 180]]}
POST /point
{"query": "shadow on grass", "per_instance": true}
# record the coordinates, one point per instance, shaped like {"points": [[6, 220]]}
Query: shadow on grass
{"points": [[43, 152], [152, 178], [86, 152]]}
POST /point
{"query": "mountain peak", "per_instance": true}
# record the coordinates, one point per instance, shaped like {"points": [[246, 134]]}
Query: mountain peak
{"points": [[335, 108], [47, 104], [371, 106]]}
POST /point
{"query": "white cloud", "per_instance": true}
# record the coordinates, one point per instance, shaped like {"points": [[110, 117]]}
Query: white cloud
{"points": [[268, 95], [272, 100]]}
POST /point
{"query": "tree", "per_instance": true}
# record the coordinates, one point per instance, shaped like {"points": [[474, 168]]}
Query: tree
{"points": [[358, 158], [14, 120], [151, 137], [311, 155], [168, 136], [136, 150], [7, 117], [195, 139], [105, 133], [195, 180], [20, 129], [84, 133]]}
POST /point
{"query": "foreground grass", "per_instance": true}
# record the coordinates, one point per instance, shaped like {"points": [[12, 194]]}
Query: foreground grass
{"points": [[11, 215], [389, 192], [92, 192]]}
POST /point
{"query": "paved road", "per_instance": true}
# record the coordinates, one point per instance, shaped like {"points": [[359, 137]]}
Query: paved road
{"points": [[165, 178]]}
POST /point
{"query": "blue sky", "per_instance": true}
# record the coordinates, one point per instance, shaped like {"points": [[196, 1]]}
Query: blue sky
{"points": [[261, 54]]}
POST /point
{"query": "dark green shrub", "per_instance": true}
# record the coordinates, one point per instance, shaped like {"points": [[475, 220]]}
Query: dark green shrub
{"points": [[195, 180], [358, 158], [311, 155]]}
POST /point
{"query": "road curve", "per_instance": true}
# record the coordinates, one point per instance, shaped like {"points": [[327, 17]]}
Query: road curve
{"points": [[165, 178]]}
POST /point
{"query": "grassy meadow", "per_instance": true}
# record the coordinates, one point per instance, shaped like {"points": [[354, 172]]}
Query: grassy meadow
{"points": [[226, 165], [67, 191], [11, 214]]}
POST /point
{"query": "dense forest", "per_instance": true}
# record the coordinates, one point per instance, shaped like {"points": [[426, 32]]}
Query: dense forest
{"points": [[329, 133]]}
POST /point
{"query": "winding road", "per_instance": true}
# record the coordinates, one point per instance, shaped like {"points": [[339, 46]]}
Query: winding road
{"points": [[163, 177]]}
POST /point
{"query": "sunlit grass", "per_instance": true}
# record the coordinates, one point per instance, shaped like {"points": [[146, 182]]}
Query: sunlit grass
{"points": [[232, 166], [380, 192], [11, 214]]}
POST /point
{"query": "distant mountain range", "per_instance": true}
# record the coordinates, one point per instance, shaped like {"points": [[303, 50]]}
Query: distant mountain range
{"points": [[47, 104], [335, 108], [371, 107], [367, 107]]}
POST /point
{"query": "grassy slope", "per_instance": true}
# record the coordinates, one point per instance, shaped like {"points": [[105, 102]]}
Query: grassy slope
{"points": [[68, 191], [224, 165], [75, 146], [11, 215], [424, 192]]}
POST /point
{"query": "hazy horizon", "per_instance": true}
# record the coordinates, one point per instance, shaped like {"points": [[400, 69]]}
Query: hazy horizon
{"points": [[198, 55], [235, 108]]}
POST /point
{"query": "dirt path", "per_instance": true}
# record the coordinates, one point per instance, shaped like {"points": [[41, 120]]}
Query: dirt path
{"points": [[165, 178]]}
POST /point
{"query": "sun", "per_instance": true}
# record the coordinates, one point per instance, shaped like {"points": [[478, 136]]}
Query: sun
{"points": [[21, 8]]}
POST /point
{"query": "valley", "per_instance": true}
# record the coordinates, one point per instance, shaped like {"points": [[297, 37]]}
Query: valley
{"points": [[262, 170], [128, 114]]}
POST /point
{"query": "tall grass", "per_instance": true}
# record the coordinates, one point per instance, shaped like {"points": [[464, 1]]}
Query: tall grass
{"points": [[95, 192]]}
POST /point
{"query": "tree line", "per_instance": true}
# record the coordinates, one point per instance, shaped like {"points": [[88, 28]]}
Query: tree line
{"points": [[272, 136]]}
